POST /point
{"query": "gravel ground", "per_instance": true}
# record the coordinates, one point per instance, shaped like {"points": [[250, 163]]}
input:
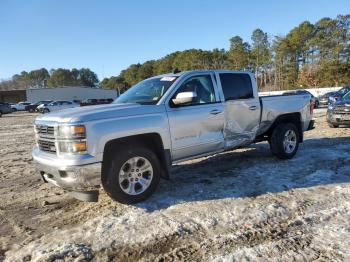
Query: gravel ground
{"points": [[243, 205]]}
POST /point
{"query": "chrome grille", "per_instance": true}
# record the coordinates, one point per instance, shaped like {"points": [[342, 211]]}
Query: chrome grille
{"points": [[342, 110], [47, 146], [45, 130], [46, 138]]}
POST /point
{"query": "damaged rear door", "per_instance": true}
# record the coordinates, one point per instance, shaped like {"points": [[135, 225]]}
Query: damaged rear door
{"points": [[197, 127], [242, 108]]}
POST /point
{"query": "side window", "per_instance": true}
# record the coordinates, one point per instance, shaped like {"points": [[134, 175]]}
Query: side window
{"points": [[203, 87], [236, 86]]}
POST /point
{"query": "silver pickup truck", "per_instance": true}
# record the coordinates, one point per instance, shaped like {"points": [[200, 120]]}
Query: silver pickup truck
{"points": [[127, 146]]}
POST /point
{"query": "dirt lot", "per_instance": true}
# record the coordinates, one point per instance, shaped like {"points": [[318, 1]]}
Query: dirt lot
{"points": [[239, 205]]}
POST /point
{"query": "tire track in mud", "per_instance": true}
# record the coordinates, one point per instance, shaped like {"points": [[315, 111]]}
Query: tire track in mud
{"points": [[292, 235]]}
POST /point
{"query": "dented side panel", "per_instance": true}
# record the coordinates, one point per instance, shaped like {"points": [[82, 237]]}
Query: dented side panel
{"points": [[275, 106], [242, 123]]}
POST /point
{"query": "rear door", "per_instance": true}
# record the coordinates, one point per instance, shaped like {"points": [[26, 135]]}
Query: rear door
{"points": [[242, 107], [197, 127]]}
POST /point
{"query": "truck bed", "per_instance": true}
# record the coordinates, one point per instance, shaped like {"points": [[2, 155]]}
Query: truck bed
{"points": [[273, 106]]}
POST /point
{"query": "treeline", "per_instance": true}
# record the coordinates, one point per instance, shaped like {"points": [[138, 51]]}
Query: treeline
{"points": [[55, 78], [310, 55]]}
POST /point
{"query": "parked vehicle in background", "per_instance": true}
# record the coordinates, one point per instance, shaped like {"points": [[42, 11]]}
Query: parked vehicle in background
{"points": [[12, 105], [40, 107], [91, 102], [129, 145], [5, 108], [339, 94], [304, 92], [105, 101], [324, 99], [338, 113], [21, 106], [32, 107], [57, 105]]}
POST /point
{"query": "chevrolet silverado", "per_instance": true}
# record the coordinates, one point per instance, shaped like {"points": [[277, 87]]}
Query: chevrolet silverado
{"points": [[127, 146]]}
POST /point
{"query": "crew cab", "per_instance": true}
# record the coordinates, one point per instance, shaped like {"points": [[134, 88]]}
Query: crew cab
{"points": [[127, 146]]}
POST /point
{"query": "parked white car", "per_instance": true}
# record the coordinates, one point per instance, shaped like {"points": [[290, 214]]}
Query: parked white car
{"points": [[20, 106], [56, 105]]}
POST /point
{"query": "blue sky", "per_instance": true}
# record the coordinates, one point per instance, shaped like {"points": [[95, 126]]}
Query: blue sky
{"points": [[108, 36]]}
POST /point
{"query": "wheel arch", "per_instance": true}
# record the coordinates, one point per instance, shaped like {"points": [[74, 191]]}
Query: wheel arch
{"points": [[294, 118], [152, 141]]}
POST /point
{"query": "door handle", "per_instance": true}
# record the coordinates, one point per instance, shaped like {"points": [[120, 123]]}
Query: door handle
{"points": [[252, 107], [215, 112]]}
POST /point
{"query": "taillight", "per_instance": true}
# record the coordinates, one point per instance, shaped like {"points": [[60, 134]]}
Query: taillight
{"points": [[312, 106]]}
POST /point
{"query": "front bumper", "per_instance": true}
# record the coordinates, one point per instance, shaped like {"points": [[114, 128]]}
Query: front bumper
{"points": [[74, 177], [338, 119], [323, 102]]}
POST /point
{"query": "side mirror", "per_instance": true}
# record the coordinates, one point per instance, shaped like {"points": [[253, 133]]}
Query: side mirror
{"points": [[184, 98]]}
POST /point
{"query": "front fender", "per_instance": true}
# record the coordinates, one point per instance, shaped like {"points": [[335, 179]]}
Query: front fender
{"points": [[102, 131]]}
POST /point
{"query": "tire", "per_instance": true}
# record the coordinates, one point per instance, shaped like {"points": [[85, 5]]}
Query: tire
{"points": [[116, 179], [278, 139], [31, 110], [46, 110], [333, 125], [0, 114]]}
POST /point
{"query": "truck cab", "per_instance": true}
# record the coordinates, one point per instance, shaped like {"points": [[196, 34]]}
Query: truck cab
{"points": [[127, 146]]}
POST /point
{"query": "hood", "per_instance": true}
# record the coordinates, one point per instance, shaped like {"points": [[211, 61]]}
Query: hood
{"points": [[97, 112], [342, 102]]}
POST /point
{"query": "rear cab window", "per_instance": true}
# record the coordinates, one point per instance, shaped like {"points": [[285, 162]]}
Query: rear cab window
{"points": [[236, 86]]}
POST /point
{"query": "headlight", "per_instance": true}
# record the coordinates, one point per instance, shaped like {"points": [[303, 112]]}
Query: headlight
{"points": [[330, 107], [70, 132], [71, 139], [72, 146]]}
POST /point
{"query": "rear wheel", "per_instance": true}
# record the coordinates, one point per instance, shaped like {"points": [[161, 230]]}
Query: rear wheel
{"points": [[0, 114], [131, 175], [46, 110], [31, 110], [284, 142]]}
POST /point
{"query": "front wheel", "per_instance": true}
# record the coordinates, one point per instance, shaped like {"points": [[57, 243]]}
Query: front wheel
{"points": [[46, 110], [131, 175], [284, 142]]}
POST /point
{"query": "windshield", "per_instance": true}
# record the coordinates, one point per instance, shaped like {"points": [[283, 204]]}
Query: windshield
{"points": [[344, 90], [347, 96], [149, 91]]}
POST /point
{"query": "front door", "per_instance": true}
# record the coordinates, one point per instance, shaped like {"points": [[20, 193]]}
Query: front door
{"points": [[197, 127]]}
